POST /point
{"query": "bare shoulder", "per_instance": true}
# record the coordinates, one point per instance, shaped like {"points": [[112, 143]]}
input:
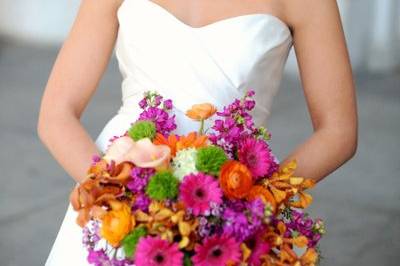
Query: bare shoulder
{"points": [[101, 6], [310, 13]]}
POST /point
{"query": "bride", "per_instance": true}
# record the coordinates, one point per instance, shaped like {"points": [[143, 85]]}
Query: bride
{"points": [[198, 51]]}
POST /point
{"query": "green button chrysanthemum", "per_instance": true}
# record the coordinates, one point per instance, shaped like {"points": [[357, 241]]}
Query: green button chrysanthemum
{"points": [[142, 129], [163, 185], [130, 241], [210, 159]]}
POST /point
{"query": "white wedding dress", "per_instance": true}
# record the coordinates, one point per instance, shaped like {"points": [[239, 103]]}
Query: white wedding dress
{"points": [[214, 63]]}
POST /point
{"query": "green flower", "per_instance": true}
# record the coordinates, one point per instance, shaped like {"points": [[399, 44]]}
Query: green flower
{"points": [[130, 241], [163, 185], [142, 129], [184, 163], [210, 159]]}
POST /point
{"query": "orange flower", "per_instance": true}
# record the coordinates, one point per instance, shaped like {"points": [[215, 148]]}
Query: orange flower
{"points": [[192, 140], [235, 179], [117, 223], [100, 185], [284, 185], [201, 111], [177, 143], [170, 141], [264, 194]]}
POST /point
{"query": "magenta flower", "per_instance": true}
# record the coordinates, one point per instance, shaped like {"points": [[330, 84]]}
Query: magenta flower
{"points": [[142, 202], [198, 191], [217, 250], [163, 121], [257, 156], [155, 109], [154, 251], [258, 247], [234, 123]]}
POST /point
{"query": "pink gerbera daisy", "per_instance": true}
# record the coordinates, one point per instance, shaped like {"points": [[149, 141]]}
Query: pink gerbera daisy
{"points": [[154, 251], [257, 156], [216, 251], [197, 191], [258, 247]]}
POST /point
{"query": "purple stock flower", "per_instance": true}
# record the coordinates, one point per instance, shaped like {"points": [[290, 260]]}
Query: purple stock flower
{"points": [[143, 103], [243, 219], [95, 159], [139, 179], [234, 123], [142, 202], [153, 111], [163, 121], [97, 258], [304, 225], [168, 104]]}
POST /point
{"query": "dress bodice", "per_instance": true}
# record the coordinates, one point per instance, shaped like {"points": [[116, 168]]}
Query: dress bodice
{"points": [[213, 63]]}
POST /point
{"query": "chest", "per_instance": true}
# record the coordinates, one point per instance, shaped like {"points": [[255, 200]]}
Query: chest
{"points": [[197, 13]]}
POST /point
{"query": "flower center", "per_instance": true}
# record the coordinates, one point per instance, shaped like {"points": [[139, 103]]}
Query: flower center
{"points": [[199, 193], [216, 252], [251, 159], [159, 258], [235, 180], [251, 243]]}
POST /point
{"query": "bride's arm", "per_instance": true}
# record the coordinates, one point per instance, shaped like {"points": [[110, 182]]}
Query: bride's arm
{"points": [[329, 89], [78, 68]]}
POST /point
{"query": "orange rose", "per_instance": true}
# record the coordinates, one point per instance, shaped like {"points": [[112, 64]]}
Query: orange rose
{"points": [[201, 112], [117, 223], [264, 194], [235, 179]]}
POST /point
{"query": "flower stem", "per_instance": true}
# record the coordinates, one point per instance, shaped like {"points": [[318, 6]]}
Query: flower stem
{"points": [[201, 130]]}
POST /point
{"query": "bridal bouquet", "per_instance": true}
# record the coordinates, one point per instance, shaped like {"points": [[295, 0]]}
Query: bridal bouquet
{"points": [[217, 196]]}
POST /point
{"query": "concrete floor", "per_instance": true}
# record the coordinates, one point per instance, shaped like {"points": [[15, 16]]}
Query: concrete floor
{"points": [[360, 201]]}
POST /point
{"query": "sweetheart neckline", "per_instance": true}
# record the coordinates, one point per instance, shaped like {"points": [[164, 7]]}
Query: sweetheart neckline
{"points": [[218, 22]]}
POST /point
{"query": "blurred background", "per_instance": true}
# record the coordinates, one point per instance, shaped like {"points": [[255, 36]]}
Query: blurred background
{"points": [[360, 202]]}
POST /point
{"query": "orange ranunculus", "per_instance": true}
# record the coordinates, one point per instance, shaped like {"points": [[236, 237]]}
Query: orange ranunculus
{"points": [[258, 191], [235, 179], [192, 140], [201, 111], [117, 223]]}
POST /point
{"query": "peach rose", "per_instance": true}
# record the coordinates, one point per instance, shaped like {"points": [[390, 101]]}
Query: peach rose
{"points": [[201, 111], [117, 223], [235, 179]]}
